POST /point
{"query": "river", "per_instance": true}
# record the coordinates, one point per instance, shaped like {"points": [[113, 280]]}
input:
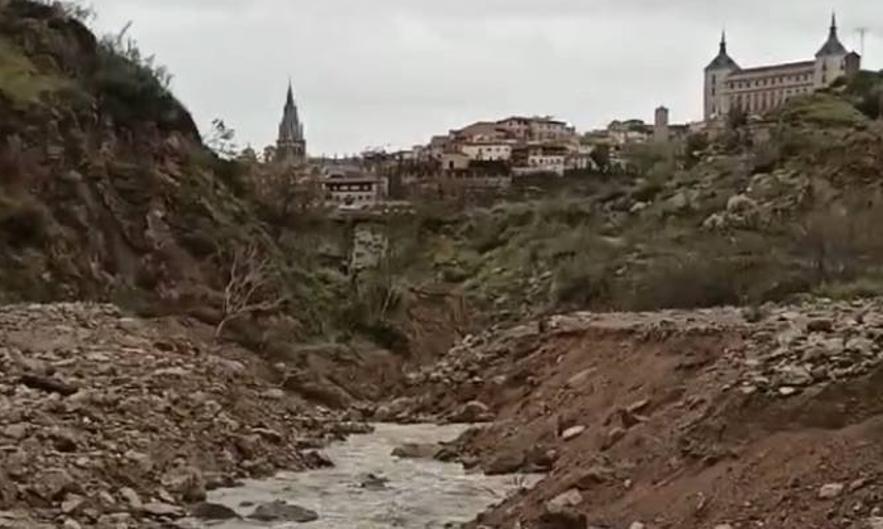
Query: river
{"points": [[420, 494]]}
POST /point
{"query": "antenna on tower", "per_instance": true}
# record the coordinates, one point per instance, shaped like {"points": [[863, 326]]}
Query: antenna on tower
{"points": [[862, 33]]}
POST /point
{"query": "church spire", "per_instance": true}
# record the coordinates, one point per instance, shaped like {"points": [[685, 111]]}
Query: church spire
{"points": [[289, 100], [290, 144], [723, 41], [834, 23]]}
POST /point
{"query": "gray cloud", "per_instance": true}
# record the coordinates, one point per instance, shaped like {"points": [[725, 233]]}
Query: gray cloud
{"points": [[379, 72]]}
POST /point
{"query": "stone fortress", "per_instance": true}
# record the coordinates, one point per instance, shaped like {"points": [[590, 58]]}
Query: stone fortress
{"points": [[763, 88]]}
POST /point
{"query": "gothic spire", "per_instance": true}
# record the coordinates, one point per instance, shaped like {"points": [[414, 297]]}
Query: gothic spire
{"points": [[723, 41], [833, 46], [289, 102]]}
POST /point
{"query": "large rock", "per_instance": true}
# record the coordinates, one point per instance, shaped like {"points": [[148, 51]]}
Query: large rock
{"points": [[373, 482], [417, 451], [52, 484], [162, 510], [565, 500], [187, 482], [473, 412], [830, 491], [212, 511], [565, 519], [279, 511], [505, 463]]}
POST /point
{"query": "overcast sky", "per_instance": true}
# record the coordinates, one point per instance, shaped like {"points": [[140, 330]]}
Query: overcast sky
{"points": [[394, 72]]}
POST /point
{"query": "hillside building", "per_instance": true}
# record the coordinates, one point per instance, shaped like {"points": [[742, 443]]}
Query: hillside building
{"points": [[760, 89]]}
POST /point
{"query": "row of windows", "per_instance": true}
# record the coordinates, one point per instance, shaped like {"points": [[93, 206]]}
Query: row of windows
{"points": [[482, 150], [351, 187], [535, 161], [351, 198], [771, 81]]}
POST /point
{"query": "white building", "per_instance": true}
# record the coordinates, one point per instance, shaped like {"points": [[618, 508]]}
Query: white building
{"points": [[350, 189], [487, 151], [536, 129]]}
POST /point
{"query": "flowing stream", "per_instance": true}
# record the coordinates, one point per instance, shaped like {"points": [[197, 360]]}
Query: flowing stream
{"points": [[420, 494]]}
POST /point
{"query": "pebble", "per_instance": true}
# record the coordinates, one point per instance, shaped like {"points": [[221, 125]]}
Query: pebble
{"points": [[830, 491], [573, 433]]}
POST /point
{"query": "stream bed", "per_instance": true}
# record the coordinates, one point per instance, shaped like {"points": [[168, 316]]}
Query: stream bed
{"points": [[420, 493]]}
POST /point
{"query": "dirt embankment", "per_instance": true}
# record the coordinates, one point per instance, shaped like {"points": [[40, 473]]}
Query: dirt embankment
{"points": [[677, 419], [110, 421]]}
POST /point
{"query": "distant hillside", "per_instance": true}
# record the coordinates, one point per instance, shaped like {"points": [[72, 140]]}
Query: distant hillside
{"points": [[763, 212]]}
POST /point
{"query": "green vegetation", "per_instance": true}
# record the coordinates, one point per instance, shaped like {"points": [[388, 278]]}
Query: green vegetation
{"points": [[822, 109], [20, 80]]}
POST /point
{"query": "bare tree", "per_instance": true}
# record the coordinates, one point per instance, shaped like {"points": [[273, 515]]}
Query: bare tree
{"points": [[249, 277]]}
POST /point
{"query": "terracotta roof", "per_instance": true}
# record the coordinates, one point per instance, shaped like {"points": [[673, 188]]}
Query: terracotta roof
{"points": [[545, 119]]}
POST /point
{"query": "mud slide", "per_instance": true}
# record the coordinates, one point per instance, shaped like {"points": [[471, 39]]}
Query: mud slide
{"points": [[676, 419]]}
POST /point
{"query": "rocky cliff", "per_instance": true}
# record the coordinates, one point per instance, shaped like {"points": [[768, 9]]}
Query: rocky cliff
{"points": [[106, 190]]}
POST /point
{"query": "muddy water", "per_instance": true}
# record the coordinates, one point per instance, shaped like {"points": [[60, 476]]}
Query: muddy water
{"points": [[420, 494]]}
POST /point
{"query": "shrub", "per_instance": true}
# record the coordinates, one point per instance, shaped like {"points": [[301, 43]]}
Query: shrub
{"points": [[581, 282], [690, 282], [134, 89], [23, 222], [821, 109]]}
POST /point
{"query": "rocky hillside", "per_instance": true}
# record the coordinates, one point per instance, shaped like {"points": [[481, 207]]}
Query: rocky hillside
{"points": [[107, 192], [718, 418], [763, 212], [112, 421]]}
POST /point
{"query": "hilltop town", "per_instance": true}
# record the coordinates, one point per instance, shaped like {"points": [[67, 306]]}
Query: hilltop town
{"points": [[487, 156]]}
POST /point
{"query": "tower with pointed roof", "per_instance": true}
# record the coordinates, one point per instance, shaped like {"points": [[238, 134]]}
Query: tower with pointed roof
{"points": [[831, 58], [291, 146], [716, 74]]}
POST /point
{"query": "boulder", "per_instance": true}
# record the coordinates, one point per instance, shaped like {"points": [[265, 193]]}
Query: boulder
{"points": [[279, 511], [565, 519], [373, 482], [565, 500], [594, 476], [473, 412], [131, 498], [186, 482], [820, 325], [211, 511], [741, 204], [505, 463], [830, 491], [417, 451], [315, 459], [614, 436], [160, 509], [53, 483]]}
